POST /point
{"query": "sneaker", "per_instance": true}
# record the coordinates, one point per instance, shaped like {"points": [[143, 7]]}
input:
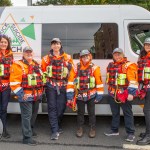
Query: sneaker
{"points": [[130, 138], [142, 135], [60, 131], [111, 133], [55, 136], [30, 142], [5, 134]]}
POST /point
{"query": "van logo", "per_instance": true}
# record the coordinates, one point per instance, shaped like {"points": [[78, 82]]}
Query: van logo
{"points": [[17, 35], [11, 31]]}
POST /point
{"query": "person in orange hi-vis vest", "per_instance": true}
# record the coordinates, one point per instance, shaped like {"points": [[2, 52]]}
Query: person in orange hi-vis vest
{"points": [[6, 60], [90, 90], [144, 81], [56, 67], [122, 80], [26, 83]]}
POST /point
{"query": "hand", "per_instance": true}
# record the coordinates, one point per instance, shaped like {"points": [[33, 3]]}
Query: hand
{"points": [[98, 98], [69, 101], [96, 101], [25, 97], [130, 97]]}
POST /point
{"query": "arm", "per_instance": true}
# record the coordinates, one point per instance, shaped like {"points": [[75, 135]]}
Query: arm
{"points": [[132, 76], [44, 63], [99, 84], [16, 79], [70, 84]]}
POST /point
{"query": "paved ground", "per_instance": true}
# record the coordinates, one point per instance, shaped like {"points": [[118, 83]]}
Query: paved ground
{"points": [[68, 140]]}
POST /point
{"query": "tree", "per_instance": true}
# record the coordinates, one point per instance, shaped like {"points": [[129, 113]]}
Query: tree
{"points": [[143, 3], [48, 2], [5, 3]]}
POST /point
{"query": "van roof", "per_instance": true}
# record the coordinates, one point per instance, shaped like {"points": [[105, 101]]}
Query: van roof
{"points": [[78, 13]]}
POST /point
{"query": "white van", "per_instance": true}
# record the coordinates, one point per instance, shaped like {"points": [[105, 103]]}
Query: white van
{"points": [[98, 28]]}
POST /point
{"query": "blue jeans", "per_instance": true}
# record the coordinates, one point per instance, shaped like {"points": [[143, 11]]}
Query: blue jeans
{"points": [[128, 115], [4, 99], [29, 111], [56, 107]]}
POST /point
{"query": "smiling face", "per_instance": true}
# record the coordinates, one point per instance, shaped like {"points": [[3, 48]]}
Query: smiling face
{"points": [[86, 58], [118, 56], [28, 55], [147, 47], [56, 46], [3, 44]]}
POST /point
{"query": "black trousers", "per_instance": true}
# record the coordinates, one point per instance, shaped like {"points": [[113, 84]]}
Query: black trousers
{"points": [[128, 115], [4, 99], [146, 111], [81, 111], [56, 107]]}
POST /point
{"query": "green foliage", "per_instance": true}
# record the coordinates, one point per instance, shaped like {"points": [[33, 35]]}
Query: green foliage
{"points": [[5, 3], [142, 3]]}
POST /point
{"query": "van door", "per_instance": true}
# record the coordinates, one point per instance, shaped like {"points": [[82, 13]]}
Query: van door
{"points": [[135, 32]]}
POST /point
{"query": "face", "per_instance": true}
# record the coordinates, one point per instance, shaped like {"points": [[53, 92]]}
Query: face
{"points": [[56, 46], [28, 55], [147, 47], [3, 44], [117, 57], [85, 58]]}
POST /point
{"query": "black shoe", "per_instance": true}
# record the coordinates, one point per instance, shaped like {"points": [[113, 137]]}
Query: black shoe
{"points": [[142, 135], [30, 142], [144, 141], [111, 133], [5, 134]]}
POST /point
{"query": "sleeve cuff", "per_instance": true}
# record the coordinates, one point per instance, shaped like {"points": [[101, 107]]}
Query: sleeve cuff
{"points": [[132, 91], [70, 95]]}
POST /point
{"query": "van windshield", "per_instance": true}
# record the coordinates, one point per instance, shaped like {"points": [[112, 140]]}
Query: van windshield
{"points": [[138, 33]]}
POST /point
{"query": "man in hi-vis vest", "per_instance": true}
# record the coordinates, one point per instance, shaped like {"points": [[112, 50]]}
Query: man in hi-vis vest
{"points": [[26, 83], [122, 80]]}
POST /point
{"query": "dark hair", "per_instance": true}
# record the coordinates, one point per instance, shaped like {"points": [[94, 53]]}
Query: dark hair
{"points": [[142, 53], [8, 40]]}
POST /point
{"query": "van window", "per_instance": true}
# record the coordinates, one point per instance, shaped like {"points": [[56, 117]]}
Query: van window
{"points": [[99, 38], [138, 33]]}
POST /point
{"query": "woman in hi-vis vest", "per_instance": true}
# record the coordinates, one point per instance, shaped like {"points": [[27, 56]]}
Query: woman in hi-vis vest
{"points": [[144, 81], [90, 90], [6, 60], [56, 65]]}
